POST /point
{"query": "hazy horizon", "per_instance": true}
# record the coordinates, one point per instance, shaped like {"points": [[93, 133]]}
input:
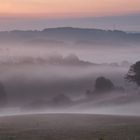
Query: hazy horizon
{"points": [[39, 14], [128, 22]]}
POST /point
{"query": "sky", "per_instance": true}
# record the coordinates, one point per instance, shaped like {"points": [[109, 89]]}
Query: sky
{"points": [[31, 14]]}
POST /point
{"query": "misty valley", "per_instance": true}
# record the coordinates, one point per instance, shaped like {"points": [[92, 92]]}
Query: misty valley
{"points": [[69, 84]]}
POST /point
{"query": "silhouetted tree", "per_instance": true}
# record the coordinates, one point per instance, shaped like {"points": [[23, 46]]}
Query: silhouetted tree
{"points": [[103, 84], [133, 74], [3, 96]]}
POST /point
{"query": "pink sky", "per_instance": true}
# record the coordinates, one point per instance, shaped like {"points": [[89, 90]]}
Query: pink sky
{"points": [[68, 8]]}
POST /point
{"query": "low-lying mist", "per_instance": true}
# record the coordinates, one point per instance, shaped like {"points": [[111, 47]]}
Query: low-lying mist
{"points": [[54, 71], [32, 85]]}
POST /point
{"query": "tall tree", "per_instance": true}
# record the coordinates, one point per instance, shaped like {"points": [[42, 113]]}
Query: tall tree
{"points": [[133, 74]]}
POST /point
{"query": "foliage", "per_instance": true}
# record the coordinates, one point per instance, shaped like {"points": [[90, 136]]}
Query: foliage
{"points": [[133, 74], [103, 84]]}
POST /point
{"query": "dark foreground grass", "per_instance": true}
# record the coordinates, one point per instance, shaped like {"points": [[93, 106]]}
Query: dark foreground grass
{"points": [[69, 127]]}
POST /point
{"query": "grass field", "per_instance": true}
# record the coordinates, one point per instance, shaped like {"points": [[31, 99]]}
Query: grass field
{"points": [[69, 127]]}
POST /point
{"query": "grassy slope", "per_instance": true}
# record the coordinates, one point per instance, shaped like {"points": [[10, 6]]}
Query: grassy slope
{"points": [[69, 127]]}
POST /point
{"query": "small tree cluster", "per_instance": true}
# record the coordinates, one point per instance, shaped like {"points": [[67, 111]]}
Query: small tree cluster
{"points": [[103, 84]]}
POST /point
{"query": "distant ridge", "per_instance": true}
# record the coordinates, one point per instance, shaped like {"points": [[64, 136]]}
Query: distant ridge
{"points": [[78, 36]]}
